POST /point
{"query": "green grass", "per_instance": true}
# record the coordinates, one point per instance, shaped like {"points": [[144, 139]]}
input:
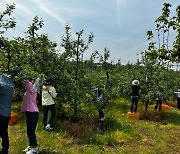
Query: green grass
{"points": [[154, 133]]}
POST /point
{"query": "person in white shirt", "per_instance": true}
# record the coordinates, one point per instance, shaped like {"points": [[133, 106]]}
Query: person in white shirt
{"points": [[178, 98], [48, 102]]}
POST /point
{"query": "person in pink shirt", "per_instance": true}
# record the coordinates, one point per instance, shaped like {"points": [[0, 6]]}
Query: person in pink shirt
{"points": [[29, 107]]}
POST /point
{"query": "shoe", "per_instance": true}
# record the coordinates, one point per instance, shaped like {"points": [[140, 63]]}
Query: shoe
{"points": [[27, 149], [48, 127], [102, 119], [33, 151]]}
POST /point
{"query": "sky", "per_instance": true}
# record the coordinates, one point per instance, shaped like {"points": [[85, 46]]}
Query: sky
{"points": [[118, 25]]}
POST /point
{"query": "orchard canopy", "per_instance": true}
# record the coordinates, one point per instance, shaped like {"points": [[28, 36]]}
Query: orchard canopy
{"points": [[35, 55]]}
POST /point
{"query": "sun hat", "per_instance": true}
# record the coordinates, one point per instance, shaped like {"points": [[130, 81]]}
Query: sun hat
{"points": [[135, 82], [5, 80]]}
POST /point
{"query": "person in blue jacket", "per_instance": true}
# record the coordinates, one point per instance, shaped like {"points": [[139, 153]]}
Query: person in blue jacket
{"points": [[6, 95]]}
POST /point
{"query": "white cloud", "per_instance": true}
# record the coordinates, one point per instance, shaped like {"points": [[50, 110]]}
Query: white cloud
{"points": [[120, 25], [50, 11]]}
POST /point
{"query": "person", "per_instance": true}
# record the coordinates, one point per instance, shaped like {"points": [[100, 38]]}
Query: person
{"points": [[6, 95], [178, 98], [29, 107], [37, 88], [98, 95], [134, 96], [48, 102], [159, 101]]}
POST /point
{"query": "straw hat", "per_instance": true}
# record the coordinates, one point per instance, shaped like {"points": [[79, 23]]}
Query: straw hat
{"points": [[135, 82]]}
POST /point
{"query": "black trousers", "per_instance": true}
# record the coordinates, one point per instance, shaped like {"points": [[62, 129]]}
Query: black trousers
{"points": [[101, 113], [4, 133], [134, 103], [46, 109], [158, 104], [178, 103], [31, 121]]}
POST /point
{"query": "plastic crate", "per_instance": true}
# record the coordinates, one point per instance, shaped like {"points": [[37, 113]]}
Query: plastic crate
{"points": [[133, 115], [164, 107], [14, 118]]}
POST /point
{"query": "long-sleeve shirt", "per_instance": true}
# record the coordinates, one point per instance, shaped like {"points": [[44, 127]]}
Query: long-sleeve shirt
{"points": [[36, 86], [135, 90], [29, 99], [48, 95], [6, 95]]}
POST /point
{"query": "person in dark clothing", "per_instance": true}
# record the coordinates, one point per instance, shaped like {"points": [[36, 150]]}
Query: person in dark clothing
{"points": [[178, 98], [158, 101], [6, 95], [98, 94], [135, 96]]}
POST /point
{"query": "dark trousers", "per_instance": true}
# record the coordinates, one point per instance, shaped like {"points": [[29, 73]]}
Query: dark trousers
{"points": [[101, 113], [31, 121], [134, 104], [46, 109], [178, 103], [158, 104], [4, 133]]}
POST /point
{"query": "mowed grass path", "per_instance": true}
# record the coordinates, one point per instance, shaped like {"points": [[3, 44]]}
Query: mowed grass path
{"points": [[156, 132]]}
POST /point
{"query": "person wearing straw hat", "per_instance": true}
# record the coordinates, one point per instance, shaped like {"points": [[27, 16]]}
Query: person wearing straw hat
{"points": [[6, 95], [178, 98], [134, 96]]}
